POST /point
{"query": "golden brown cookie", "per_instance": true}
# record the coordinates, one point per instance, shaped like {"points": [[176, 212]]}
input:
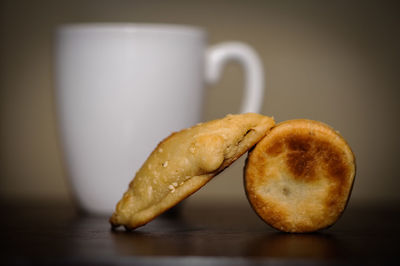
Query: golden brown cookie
{"points": [[184, 162], [299, 177]]}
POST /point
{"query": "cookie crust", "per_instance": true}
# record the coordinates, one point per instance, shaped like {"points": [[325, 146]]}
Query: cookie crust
{"points": [[299, 177]]}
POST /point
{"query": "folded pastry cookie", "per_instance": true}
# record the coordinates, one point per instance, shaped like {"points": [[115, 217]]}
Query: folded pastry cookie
{"points": [[299, 177], [184, 162]]}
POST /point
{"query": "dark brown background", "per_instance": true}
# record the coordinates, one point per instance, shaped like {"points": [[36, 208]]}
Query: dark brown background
{"points": [[334, 61]]}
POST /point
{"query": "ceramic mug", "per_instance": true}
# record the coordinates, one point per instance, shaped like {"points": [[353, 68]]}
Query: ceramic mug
{"points": [[121, 88]]}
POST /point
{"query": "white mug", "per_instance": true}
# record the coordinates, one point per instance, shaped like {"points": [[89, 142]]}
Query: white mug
{"points": [[121, 88]]}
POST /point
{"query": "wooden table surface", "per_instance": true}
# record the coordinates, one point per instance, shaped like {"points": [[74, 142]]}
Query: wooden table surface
{"points": [[55, 234]]}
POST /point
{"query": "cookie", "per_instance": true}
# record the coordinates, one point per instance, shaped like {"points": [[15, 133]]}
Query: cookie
{"points": [[184, 162], [299, 177]]}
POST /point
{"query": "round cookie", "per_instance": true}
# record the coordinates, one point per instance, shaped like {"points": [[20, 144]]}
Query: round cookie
{"points": [[184, 162], [299, 177]]}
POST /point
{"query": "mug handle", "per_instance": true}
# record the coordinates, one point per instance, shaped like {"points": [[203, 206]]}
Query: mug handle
{"points": [[216, 58]]}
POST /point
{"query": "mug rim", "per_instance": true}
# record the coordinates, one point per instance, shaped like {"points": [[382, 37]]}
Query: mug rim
{"points": [[132, 27]]}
